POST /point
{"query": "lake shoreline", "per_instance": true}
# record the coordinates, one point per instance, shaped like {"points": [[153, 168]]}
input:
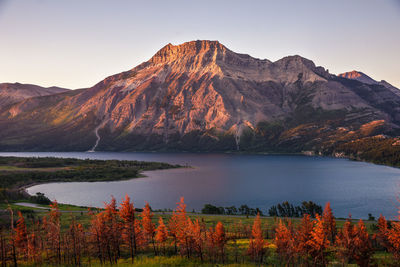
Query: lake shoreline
{"points": [[23, 172], [24, 188], [225, 179], [306, 153]]}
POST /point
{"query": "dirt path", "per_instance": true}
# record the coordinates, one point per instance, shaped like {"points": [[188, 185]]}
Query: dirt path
{"points": [[30, 205]]}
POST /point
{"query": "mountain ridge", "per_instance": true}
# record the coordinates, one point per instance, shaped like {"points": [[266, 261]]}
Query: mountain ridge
{"points": [[11, 93], [201, 96], [364, 78]]}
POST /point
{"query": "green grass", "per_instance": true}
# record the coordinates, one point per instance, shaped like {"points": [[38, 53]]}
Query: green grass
{"points": [[22, 169], [72, 207], [209, 220], [25, 171], [148, 261], [145, 258], [9, 168]]}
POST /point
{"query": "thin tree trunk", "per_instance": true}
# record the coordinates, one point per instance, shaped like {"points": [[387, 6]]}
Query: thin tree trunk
{"points": [[132, 248], [154, 245], [12, 237], [176, 248]]}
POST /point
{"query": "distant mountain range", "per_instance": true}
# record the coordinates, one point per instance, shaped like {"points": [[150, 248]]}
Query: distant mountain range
{"points": [[201, 96], [11, 93], [361, 77]]}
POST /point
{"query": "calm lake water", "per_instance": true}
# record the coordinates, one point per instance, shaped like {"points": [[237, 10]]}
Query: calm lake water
{"points": [[228, 179]]}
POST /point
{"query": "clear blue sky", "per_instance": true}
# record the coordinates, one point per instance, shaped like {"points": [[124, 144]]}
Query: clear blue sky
{"points": [[76, 43]]}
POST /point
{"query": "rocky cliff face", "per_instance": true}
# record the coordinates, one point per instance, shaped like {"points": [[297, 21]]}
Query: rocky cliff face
{"points": [[202, 96]]}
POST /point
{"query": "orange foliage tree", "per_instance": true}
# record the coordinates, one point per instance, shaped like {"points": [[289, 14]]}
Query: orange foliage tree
{"points": [[345, 242], [173, 230], [177, 222], [393, 237], [389, 237], [99, 236], [284, 241], [198, 238], [21, 236], [318, 242], [220, 239], [181, 224], [54, 232], [161, 234], [35, 243], [148, 226], [256, 246], [353, 243], [129, 227], [364, 249], [211, 244], [329, 223], [303, 237], [75, 240], [113, 230], [382, 235]]}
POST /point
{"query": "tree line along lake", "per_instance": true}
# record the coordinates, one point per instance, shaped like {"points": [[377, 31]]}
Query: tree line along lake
{"points": [[259, 181]]}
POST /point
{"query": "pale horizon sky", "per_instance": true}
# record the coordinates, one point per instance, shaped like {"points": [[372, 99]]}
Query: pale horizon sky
{"points": [[77, 43]]}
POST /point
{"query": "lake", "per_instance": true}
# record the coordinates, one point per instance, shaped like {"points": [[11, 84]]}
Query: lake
{"points": [[257, 180]]}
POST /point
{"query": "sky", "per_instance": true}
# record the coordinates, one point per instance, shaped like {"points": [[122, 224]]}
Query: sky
{"points": [[77, 43]]}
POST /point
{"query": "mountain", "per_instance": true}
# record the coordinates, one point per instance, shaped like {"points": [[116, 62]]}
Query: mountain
{"points": [[201, 96], [359, 76], [11, 93], [362, 77]]}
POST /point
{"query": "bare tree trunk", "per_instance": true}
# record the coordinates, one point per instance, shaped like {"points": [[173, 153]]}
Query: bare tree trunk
{"points": [[154, 245], [14, 255], [132, 245]]}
